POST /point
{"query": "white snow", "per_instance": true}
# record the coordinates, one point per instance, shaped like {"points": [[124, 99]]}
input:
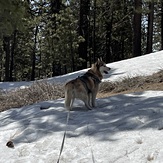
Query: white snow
{"points": [[125, 128]]}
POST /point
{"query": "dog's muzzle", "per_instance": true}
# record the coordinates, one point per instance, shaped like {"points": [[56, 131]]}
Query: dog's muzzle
{"points": [[106, 72]]}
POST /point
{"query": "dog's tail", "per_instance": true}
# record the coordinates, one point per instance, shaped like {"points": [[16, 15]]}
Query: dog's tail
{"points": [[69, 97]]}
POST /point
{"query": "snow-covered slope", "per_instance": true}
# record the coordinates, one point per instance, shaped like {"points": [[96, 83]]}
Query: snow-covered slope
{"points": [[121, 129], [143, 65]]}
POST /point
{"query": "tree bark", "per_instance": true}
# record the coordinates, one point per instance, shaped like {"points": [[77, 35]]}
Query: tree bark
{"points": [[150, 28], [94, 32], [6, 45], [109, 28], [161, 25], [34, 55], [137, 28], [55, 8], [12, 56]]}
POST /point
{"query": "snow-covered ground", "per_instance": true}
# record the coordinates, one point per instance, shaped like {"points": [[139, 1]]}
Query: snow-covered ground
{"points": [[125, 128]]}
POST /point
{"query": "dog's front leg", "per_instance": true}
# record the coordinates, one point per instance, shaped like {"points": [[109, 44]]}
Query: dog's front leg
{"points": [[90, 99], [94, 94], [87, 104], [93, 99], [86, 100]]}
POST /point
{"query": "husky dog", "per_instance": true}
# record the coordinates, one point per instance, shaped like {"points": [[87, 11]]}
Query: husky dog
{"points": [[85, 87]]}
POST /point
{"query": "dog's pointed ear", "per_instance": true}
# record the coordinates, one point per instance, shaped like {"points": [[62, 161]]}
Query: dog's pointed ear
{"points": [[99, 59]]}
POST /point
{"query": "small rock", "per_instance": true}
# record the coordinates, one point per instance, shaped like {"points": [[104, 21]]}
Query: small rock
{"points": [[10, 144]]}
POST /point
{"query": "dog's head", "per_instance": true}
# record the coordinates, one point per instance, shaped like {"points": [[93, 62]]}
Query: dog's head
{"points": [[101, 65]]}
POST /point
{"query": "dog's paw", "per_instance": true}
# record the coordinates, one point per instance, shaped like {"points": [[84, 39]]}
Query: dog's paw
{"points": [[89, 108]]}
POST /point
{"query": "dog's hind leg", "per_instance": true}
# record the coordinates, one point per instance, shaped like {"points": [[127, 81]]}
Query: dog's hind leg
{"points": [[69, 99], [68, 104], [72, 101]]}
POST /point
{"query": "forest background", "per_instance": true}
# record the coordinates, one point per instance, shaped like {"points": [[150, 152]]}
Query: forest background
{"points": [[46, 38]]}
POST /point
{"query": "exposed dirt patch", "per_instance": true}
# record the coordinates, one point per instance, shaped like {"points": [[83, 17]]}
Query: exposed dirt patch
{"points": [[145, 87], [131, 85]]}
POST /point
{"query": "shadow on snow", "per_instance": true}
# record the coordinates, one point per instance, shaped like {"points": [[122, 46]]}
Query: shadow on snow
{"points": [[112, 115]]}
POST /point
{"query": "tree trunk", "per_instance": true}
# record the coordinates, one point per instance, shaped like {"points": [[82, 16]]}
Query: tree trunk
{"points": [[94, 32], [12, 55], [108, 29], [83, 31], [71, 52], [34, 55], [6, 45], [55, 8], [137, 29], [161, 25], [1, 66], [150, 28]]}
